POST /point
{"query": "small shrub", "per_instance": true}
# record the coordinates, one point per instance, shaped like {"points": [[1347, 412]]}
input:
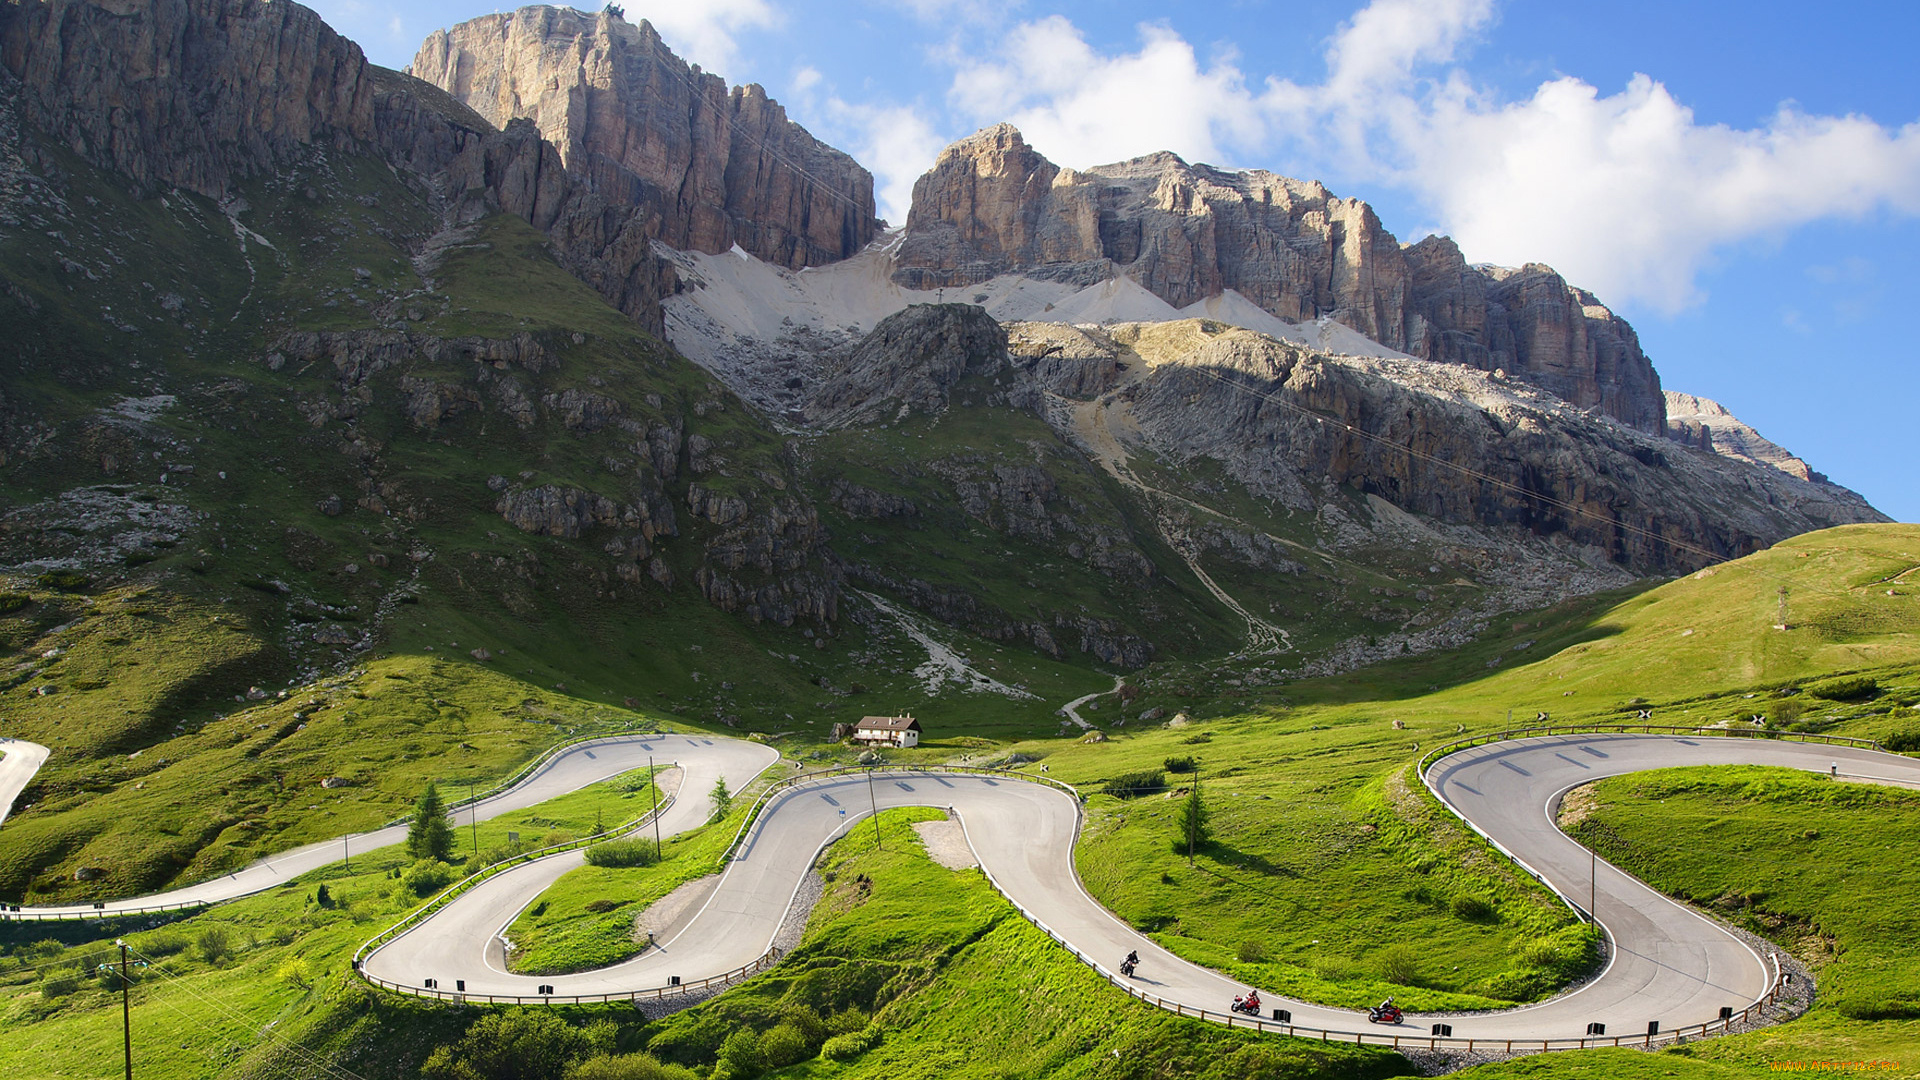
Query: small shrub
{"points": [[851, 1045], [783, 1046], [1902, 742], [1182, 764], [623, 853], [1129, 785], [427, 876], [1252, 952], [603, 905], [58, 986], [12, 602], [1784, 712], [1400, 964], [627, 1067], [740, 1056], [1198, 740], [1473, 908], [214, 945], [63, 581], [846, 1021], [1849, 688]]}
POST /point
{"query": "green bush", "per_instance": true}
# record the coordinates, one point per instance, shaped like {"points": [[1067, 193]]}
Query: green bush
{"points": [[1902, 742], [1182, 764], [627, 1067], [851, 1045], [63, 581], [426, 877], [59, 985], [623, 853], [783, 1046], [1783, 712], [1473, 909], [1849, 688], [1128, 785], [739, 1057], [214, 944], [603, 905], [12, 602], [1252, 952]]}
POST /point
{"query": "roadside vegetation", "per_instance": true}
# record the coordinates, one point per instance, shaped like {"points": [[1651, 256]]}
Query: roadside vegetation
{"points": [[1322, 854]]}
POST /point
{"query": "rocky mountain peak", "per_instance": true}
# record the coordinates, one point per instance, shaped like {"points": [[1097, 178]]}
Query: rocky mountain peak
{"points": [[992, 205], [706, 166]]}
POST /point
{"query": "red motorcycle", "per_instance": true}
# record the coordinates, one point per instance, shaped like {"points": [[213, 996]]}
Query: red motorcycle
{"points": [[1249, 1005], [1385, 1013]]}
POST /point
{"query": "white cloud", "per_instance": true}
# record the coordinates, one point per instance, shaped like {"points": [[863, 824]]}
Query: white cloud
{"points": [[702, 31], [1626, 193], [1081, 108], [896, 142]]}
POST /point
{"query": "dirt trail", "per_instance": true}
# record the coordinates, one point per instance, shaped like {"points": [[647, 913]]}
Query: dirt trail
{"points": [[1071, 710], [1099, 426]]}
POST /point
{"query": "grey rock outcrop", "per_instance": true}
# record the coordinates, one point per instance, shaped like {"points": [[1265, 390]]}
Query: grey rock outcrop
{"points": [[992, 205], [698, 165], [1705, 424], [909, 364], [1455, 445]]}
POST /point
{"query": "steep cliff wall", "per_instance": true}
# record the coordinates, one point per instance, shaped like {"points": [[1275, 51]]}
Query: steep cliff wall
{"points": [[706, 167], [186, 93], [992, 205]]}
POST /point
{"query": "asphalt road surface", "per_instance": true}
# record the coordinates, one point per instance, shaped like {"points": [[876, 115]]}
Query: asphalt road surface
{"points": [[1665, 963]]}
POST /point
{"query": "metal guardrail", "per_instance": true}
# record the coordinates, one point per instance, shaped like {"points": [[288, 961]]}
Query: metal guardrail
{"points": [[1427, 760], [1398, 1041], [790, 783], [527, 771], [102, 913], [766, 960], [478, 877]]}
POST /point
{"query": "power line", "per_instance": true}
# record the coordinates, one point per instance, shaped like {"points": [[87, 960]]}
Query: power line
{"points": [[328, 1068]]}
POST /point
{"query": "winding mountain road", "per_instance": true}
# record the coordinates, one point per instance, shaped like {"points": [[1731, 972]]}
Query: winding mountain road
{"points": [[1666, 964]]}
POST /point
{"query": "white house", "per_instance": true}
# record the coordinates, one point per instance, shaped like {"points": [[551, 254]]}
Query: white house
{"points": [[899, 731]]}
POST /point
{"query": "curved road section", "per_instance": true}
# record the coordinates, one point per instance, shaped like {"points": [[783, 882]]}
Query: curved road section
{"points": [[702, 759], [1666, 964]]}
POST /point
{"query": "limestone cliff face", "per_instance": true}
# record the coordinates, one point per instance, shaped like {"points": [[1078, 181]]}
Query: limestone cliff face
{"points": [[704, 167], [992, 205], [186, 93]]}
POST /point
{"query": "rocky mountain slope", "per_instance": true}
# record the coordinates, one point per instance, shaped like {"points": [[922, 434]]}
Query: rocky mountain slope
{"points": [[371, 267], [992, 205], [707, 167]]}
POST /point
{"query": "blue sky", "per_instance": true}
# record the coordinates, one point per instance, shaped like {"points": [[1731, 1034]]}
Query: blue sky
{"points": [[1741, 180]]}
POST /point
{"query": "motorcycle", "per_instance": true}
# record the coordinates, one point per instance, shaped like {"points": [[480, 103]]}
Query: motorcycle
{"points": [[1385, 1013], [1249, 1005], [1126, 969]]}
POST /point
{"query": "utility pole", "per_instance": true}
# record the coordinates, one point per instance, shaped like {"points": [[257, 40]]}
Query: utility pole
{"points": [[473, 815], [653, 780], [126, 1007], [874, 800], [1593, 886], [346, 856]]}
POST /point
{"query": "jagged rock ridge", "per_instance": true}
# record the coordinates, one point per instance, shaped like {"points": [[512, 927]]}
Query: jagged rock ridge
{"points": [[993, 205], [709, 168]]}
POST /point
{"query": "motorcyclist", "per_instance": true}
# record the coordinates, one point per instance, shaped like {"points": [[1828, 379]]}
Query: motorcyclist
{"points": [[1252, 1005]]}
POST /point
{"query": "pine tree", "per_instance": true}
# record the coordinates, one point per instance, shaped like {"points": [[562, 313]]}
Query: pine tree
{"points": [[722, 799], [430, 837], [1193, 822]]}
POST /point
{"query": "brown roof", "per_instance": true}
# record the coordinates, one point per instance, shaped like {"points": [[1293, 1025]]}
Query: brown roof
{"points": [[888, 723]]}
